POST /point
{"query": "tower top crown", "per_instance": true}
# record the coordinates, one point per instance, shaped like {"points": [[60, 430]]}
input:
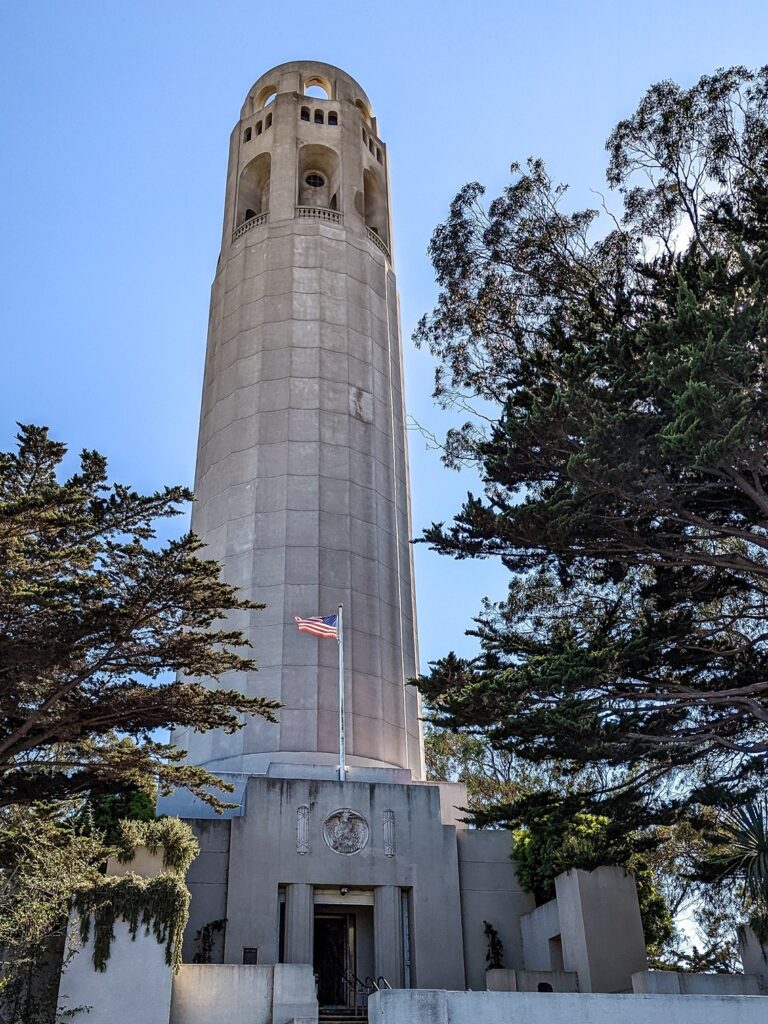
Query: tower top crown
{"points": [[296, 76]]}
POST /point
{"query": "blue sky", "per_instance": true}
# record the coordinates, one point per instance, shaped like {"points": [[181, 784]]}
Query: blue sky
{"points": [[115, 118]]}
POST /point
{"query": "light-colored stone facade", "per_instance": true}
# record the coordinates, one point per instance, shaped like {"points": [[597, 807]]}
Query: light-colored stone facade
{"points": [[302, 475]]}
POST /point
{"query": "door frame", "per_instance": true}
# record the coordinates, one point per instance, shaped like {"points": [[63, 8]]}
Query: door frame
{"points": [[350, 946]]}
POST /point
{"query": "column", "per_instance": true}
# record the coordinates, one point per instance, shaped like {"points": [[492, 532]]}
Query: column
{"points": [[299, 923], [388, 934]]}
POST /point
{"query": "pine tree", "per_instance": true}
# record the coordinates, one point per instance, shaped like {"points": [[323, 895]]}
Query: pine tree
{"points": [[105, 634], [625, 468]]}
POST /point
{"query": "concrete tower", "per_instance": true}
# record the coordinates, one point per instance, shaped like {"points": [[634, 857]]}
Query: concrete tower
{"points": [[302, 475]]}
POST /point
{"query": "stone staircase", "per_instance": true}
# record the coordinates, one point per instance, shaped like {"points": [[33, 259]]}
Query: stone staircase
{"points": [[343, 1017]]}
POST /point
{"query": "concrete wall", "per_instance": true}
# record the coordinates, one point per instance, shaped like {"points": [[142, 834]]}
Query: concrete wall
{"points": [[490, 892], [561, 1008], [143, 863], [226, 993], [684, 983], [754, 957], [600, 928], [207, 884], [235, 994], [136, 986], [538, 928], [530, 981]]}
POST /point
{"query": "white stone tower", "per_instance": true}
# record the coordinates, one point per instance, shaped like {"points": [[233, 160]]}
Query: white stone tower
{"points": [[302, 475]]}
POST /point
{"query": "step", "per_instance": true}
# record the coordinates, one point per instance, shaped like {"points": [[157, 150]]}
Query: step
{"points": [[337, 1017]]}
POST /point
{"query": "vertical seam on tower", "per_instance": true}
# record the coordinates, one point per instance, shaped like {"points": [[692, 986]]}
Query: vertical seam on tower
{"points": [[397, 510]]}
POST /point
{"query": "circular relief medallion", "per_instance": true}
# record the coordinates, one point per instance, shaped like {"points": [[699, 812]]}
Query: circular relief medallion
{"points": [[346, 831]]}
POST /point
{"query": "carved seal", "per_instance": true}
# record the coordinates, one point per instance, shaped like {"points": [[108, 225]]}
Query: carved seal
{"points": [[346, 831]]}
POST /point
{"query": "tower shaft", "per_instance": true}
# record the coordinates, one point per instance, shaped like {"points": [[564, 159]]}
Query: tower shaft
{"points": [[302, 478]]}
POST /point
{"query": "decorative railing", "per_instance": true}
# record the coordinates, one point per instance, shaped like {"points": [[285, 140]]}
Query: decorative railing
{"points": [[320, 213], [253, 222], [378, 241]]}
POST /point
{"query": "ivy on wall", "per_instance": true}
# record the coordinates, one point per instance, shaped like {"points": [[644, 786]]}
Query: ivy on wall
{"points": [[159, 905]]}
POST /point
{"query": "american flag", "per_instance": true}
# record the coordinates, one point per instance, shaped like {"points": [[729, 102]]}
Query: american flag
{"points": [[319, 625]]}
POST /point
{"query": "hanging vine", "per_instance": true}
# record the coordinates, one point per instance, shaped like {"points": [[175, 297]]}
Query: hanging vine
{"points": [[159, 905]]}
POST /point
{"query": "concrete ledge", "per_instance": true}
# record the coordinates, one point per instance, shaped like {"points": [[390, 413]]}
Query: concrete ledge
{"points": [[430, 1006], [234, 993], [685, 983], [510, 980]]}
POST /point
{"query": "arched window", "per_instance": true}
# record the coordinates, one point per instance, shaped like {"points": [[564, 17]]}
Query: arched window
{"points": [[370, 144], [333, 117], [544, 986], [318, 176], [253, 189], [319, 117], [375, 205], [378, 155], [247, 135], [266, 96], [363, 110], [268, 122], [305, 113], [319, 88], [365, 137], [259, 127]]}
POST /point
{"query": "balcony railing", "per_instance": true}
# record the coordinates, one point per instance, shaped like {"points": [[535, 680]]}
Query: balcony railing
{"points": [[320, 213], [253, 222], [378, 241]]}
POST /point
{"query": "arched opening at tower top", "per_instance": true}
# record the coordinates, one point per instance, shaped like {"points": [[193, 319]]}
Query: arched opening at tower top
{"points": [[267, 95], [318, 177], [253, 189], [375, 206], [318, 87]]}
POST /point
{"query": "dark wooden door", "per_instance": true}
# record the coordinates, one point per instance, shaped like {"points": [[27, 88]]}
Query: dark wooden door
{"points": [[333, 956]]}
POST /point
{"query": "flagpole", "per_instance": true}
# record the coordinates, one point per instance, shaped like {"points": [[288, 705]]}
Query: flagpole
{"points": [[342, 743]]}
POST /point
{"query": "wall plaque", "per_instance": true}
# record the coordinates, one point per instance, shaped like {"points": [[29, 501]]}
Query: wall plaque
{"points": [[346, 831]]}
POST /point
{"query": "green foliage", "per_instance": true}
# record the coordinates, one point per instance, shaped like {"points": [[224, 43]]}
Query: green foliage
{"points": [[205, 938], [492, 777], [102, 814], [172, 835], [741, 854], [623, 454], [555, 842], [158, 905], [104, 633], [494, 956], [43, 860]]}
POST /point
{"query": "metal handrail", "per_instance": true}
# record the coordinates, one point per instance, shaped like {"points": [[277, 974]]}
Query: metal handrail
{"points": [[359, 988]]}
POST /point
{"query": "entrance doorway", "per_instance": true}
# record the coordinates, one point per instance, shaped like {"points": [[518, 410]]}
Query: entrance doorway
{"points": [[334, 958]]}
